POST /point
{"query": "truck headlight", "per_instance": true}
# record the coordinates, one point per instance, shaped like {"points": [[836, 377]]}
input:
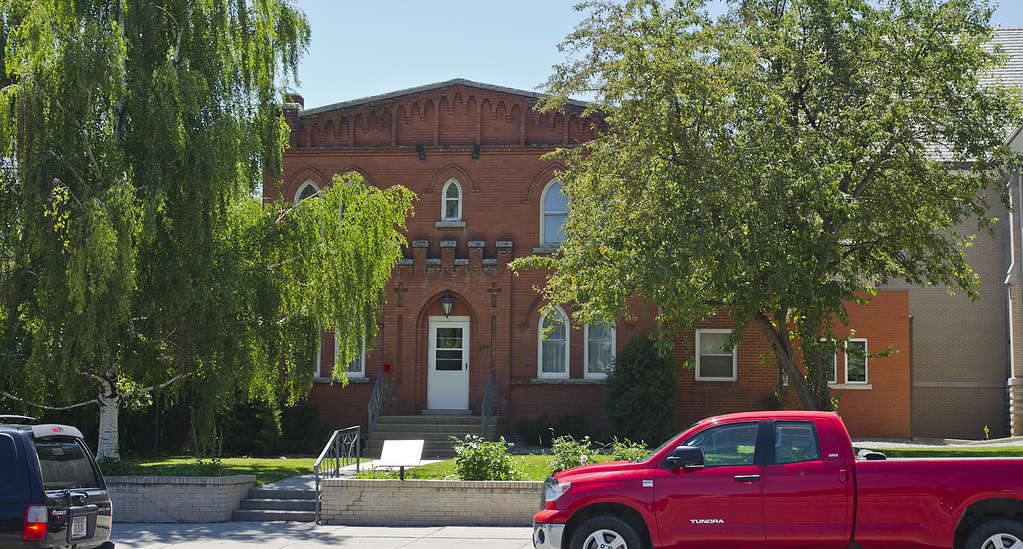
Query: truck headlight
{"points": [[552, 489]]}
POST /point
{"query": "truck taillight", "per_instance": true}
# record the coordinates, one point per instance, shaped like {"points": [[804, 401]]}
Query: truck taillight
{"points": [[34, 528]]}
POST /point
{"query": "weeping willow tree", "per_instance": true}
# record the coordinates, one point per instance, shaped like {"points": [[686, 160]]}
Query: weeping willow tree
{"points": [[133, 255]]}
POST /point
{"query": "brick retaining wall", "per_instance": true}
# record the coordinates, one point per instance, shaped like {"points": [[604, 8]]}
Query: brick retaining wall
{"points": [[429, 502], [177, 499]]}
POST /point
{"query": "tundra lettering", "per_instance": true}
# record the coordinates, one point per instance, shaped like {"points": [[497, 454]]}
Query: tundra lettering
{"points": [[781, 480]]}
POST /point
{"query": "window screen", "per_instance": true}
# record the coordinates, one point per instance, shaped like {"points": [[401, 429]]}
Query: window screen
{"points": [[65, 464], [795, 442]]}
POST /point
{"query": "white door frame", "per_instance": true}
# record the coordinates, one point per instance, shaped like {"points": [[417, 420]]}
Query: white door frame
{"points": [[446, 389]]}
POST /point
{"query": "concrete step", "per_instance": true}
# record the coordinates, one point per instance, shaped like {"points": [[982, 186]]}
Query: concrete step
{"points": [[432, 420], [272, 493], [415, 435], [254, 515], [432, 428], [278, 504]]}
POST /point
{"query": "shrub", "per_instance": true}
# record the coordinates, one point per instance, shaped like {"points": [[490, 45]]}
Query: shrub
{"points": [[534, 431], [569, 453], [573, 425], [641, 396], [375, 473], [478, 459], [626, 450]]}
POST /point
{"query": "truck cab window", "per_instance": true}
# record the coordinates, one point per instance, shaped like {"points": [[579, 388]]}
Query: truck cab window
{"points": [[733, 444], [795, 442]]}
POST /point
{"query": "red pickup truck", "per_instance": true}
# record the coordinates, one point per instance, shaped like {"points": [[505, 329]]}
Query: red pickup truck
{"points": [[781, 480]]}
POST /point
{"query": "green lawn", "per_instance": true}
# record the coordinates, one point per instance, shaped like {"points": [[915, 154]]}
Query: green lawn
{"points": [[533, 466], [266, 469], [978, 451]]}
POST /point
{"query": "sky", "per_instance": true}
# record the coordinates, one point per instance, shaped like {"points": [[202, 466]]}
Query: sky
{"points": [[367, 47]]}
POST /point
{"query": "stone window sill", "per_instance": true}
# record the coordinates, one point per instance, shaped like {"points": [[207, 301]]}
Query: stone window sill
{"points": [[351, 380], [558, 381], [546, 249], [442, 224], [843, 386]]}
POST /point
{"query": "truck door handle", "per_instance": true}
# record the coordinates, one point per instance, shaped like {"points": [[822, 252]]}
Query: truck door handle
{"points": [[746, 478]]}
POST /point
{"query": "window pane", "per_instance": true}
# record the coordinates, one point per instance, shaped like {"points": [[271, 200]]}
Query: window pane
{"points": [[552, 228], [555, 200], [715, 366], [553, 356], [65, 465], [795, 442], [449, 365], [451, 209], [713, 342], [307, 191], [833, 371], [558, 322], [449, 338], [452, 191], [355, 366], [9, 466], [856, 361], [599, 354], [727, 445]]}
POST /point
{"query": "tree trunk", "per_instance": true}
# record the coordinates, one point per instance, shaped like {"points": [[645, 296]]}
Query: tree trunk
{"points": [[109, 406], [779, 338]]}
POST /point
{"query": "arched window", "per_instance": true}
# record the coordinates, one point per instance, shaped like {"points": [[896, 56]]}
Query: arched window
{"points": [[553, 350], [451, 205], [600, 349], [554, 213], [308, 189]]}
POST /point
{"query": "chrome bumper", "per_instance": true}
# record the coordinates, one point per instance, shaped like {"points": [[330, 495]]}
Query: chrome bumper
{"points": [[547, 536]]}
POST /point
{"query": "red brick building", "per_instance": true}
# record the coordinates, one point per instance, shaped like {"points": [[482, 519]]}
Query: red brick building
{"points": [[472, 153]]}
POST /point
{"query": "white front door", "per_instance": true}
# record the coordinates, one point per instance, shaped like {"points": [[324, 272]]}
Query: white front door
{"points": [[448, 383]]}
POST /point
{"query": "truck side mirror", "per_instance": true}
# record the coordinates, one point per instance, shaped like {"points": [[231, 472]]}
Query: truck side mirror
{"points": [[684, 457]]}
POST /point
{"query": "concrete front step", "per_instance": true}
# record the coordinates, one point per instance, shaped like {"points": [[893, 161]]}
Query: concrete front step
{"points": [[446, 420], [432, 428], [405, 434], [255, 515], [274, 504], [278, 504]]}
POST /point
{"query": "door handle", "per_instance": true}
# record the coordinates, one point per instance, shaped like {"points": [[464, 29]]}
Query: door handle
{"points": [[746, 478], [844, 475]]}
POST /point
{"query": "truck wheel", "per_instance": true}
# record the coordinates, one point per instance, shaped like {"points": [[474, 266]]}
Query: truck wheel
{"points": [[997, 534], [606, 532]]}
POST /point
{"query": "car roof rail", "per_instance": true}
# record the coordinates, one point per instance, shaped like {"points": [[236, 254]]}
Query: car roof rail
{"points": [[18, 420]]}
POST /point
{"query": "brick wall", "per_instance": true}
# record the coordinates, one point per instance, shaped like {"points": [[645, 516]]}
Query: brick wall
{"points": [[429, 502], [177, 499]]}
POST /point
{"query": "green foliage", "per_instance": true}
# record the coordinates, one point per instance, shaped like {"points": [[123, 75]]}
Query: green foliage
{"points": [[568, 452], [479, 459], [251, 429], [541, 430], [133, 254], [626, 450], [378, 473], [777, 162], [641, 392]]}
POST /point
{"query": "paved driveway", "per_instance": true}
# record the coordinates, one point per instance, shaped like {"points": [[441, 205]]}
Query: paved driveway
{"points": [[230, 535]]}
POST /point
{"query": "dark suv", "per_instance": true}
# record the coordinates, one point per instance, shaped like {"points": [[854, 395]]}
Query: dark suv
{"points": [[52, 493]]}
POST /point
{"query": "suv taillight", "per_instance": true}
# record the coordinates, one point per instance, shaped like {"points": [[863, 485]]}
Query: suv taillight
{"points": [[34, 528]]}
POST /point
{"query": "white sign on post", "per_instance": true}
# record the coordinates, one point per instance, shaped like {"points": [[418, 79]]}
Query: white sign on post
{"points": [[401, 454]]}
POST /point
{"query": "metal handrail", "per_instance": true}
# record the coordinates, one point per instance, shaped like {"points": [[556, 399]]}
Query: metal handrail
{"points": [[379, 402], [344, 447], [489, 406]]}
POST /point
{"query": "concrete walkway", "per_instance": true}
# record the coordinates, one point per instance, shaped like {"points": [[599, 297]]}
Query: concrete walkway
{"points": [[290, 535]]}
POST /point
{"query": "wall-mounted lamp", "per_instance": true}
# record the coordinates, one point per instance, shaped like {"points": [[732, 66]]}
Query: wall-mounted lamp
{"points": [[422, 153], [475, 152], [446, 303]]}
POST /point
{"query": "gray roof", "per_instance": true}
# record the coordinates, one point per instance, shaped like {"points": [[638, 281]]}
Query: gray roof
{"points": [[427, 87]]}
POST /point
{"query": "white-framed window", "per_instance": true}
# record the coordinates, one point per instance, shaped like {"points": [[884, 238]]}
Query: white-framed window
{"points": [[599, 352], [553, 214], [451, 204], [856, 361], [714, 361], [552, 351], [307, 190], [833, 377]]}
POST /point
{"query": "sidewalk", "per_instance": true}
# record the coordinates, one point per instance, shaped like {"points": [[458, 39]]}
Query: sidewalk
{"points": [[278, 535]]}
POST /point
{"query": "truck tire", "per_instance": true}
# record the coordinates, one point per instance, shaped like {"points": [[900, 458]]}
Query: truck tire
{"points": [[996, 534], [606, 532]]}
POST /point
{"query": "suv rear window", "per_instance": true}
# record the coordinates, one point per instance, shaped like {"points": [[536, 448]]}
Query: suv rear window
{"points": [[7, 457], [65, 464]]}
